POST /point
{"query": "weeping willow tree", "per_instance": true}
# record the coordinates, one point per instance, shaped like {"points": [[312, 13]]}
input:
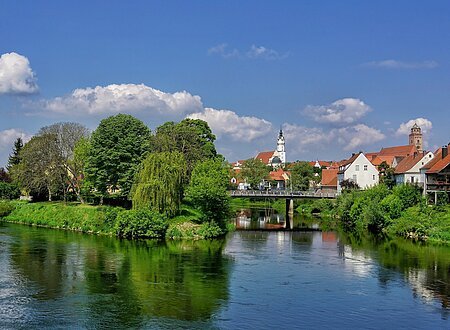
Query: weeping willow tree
{"points": [[159, 183]]}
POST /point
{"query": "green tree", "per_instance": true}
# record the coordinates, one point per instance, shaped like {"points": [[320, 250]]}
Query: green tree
{"points": [[301, 175], [68, 136], [192, 137], [387, 175], [4, 176], [207, 190], [40, 171], [254, 171], [348, 184], [118, 146], [159, 183], [14, 158]]}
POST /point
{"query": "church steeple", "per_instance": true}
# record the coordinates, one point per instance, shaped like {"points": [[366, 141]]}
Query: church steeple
{"points": [[281, 144], [415, 137]]}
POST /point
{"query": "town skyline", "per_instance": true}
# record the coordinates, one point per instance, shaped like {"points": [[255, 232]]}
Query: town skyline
{"points": [[317, 70]]}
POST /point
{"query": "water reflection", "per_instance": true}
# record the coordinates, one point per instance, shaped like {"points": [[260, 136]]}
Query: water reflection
{"points": [[112, 282]]}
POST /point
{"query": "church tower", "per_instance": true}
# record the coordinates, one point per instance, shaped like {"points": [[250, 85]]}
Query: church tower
{"points": [[415, 137], [281, 147]]}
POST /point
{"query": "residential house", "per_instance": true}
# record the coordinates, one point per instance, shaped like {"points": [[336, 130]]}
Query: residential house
{"points": [[437, 172], [359, 170], [408, 170], [329, 180], [279, 179]]}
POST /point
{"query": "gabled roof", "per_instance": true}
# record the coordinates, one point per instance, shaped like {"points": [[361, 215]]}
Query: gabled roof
{"points": [[322, 163], [431, 163], [279, 175], [379, 159], [350, 160], [371, 155], [408, 162], [265, 156], [403, 151], [440, 164], [329, 177]]}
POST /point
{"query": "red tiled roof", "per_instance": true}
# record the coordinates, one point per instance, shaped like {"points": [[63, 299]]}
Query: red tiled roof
{"points": [[440, 164], [408, 162], [398, 151], [377, 160], [264, 156], [278, 175], [349, 161], [329, 177], [322, 163], [371, 155], [431, 163]]}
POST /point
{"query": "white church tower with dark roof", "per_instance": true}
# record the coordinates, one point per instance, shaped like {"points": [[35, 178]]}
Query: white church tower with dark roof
{"points": [[281, 145]]}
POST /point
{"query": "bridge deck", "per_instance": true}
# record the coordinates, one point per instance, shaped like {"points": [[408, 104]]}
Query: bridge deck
{"points": [[286, 194]]}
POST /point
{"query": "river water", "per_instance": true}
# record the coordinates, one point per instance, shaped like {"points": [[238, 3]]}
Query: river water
{"points": [[254, 279]]}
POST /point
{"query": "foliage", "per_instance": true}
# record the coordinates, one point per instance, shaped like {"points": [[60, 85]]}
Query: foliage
{"points": [[40, 170], [191, 137], [254, 171], [117, 147], [159, 183], [9, 190], [409, 194], [301, 175], [442, 198], [387, 175], [14, 158], [4, 176], [348, 184], [392, 206], [207, 190], [5, 208], [192, 231], [142, 223]]}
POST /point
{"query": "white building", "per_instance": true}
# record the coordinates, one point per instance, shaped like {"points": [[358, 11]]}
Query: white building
{"points": [[408, 170], [359, 170]]}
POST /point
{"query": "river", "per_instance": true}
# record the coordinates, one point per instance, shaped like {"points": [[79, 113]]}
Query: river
{"points": [[253, 279]]}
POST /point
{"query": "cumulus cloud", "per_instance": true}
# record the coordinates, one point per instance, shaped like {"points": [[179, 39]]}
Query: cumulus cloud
{"points": [[356, 136], [255, 52], [8, 136], [123, 98], [343, 111], [304, 139], [16, 76], [239, 128], [423, 123], [394, 64]]}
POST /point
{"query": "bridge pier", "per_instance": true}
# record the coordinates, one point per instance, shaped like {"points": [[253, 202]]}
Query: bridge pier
{"points": [[289, 222]]}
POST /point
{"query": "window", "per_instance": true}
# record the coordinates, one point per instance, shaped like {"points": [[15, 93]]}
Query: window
{"points": [[357, 168], [365, 167], [373, 177], [354, 178]]}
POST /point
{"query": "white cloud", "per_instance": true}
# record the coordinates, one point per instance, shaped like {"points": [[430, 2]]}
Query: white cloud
{"points": [[123, 98], [423, 123], [255, 52], [394, 64], [223, 51], [302, 139], [343, 111], [356, 136], [8, 136], [226, 122], [16, 76], [261, 52]]}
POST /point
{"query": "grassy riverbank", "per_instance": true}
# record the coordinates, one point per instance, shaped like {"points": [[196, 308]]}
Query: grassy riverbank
{"points": [[107, 220]]}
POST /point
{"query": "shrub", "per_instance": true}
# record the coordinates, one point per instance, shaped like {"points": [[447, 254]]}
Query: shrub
{"points": [[5, 208], [141, 223], [392, 206], [408, 194], [9, 190]]}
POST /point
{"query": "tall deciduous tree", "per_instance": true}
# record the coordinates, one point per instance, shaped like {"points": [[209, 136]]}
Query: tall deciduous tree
{"points": [[68, 135], [159, 183], [301, 175], [118, 146], [207, 189], [192, 137], [40, 170], [254, 171]]}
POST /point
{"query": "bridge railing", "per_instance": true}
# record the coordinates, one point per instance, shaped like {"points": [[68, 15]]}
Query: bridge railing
{"points": [[281, 193]]}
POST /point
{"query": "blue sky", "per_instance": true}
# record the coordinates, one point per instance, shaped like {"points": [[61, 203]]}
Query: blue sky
{"points": [[338, 76]]}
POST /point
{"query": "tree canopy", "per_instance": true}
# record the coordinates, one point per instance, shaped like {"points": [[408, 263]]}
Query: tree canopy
{"points": [[14, 158], [159, 183], [192, 137], [301, 175], [118, 146], [254, 171]]}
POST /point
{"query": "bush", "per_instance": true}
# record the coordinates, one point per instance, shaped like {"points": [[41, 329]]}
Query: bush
{"points": [[140, 223], [5, 208], [9, 190], [408, 194], [392, 206]]}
